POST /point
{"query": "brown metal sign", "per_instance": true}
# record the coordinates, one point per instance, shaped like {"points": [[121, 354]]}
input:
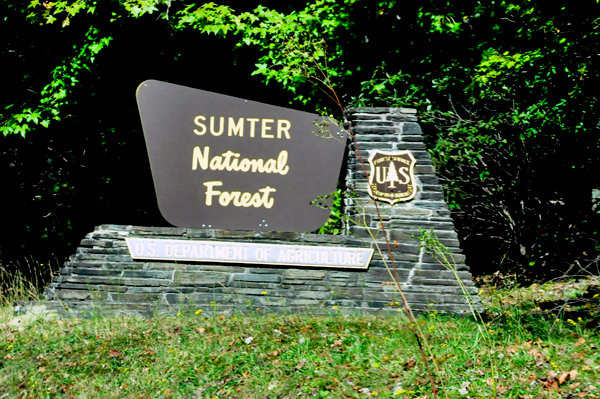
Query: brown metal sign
{"points": [[392, 176], [223, 162]]}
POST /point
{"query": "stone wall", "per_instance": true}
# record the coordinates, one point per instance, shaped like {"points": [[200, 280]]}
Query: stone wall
{"points": [[102, 276], [390, 129]]}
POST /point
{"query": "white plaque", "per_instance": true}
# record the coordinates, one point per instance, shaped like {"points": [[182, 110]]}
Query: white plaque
{"points": [[246, 252]]}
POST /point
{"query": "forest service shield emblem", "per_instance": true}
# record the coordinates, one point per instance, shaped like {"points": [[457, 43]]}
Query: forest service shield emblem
{"points": [[392, 176]]}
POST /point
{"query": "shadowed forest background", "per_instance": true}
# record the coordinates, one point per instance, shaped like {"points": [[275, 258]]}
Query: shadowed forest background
{"points": [[506, 94]]}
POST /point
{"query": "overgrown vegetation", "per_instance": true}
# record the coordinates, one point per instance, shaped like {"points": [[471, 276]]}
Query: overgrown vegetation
{"points": [[24, 281]]}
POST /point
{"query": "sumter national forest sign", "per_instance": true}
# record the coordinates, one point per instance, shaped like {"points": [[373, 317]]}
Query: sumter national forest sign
{"points": [[168, 268], [223, 162]]}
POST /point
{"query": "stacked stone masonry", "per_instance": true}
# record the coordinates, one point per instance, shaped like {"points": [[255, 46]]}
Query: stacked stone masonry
{"points": [[102, 276]]}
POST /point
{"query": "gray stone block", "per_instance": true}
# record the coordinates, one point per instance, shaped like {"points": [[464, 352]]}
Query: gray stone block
{"points": [[424, 169], [369, 146], [108, 251], [445, 233], [114, 227], [342, 276], [259, 285], [135, 297], [378, 138], [294, 274], [351, 113], [313, 294], [449, 242], [398, 256], [197, 299], [265, 278], [383, 276], [176, 290], [216, 268], [432, 188], [109, 235], [405, 248], [319, 286], [165, 266], [434, 281], [428, 179], [463, 275], [428, 195], [363, 232], [124, 265], [92, 258], [363, 219], [96, 243], [373, 130], [87, 287], [435, 205], [411, 128], [382, 296], [429, 258], [401, 118], [402, 224], [412, 211], [441, 219], [79, 295], [158, 231], [93, 280], [347, 293], [367, 117], [371, 122], [440, 266], [411, 146], [403, 236], [341, 303], [324, 238], [148, 273], [273, 292], [119, 258], [95, 272], [422, 273], [304, 302], [277, 235], [295, 282], [207, 279], [412, 138], [269, 301], [235, 234], [199, 233], [267, 269]]}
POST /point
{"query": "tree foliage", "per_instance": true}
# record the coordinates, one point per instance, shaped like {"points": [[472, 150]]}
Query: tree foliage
{"points": [[506, 93]]}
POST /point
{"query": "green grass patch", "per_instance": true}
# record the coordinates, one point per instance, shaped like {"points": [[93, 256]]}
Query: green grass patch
{"points": [[298, 356]]}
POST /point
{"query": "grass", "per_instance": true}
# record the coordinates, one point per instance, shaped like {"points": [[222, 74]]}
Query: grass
{"points": [[300, 356]]}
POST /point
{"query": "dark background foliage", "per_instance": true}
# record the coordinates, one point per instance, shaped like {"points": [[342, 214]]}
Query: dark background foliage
{"points": [[92, 167], [516, 146]]}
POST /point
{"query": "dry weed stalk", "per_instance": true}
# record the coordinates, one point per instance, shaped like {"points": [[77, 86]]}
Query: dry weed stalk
{"points": [[443, 255], [417, 332]]}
